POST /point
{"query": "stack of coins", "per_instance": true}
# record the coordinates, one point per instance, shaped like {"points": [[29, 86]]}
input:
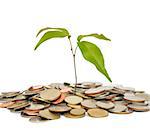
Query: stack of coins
{"points": [[50, 102]]}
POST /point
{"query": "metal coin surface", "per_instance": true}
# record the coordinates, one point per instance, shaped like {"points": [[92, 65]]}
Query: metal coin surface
{"points": [[50, 94], [134, 98], [60, 99], [138, 107], [105, 104], [73, 99], [35, 107], [48, 115], [36, 119], [74, 106], [68, 115], [97, 113], [59, 108], [89, 103], [6, 104], [118, 108], [80, 111]]}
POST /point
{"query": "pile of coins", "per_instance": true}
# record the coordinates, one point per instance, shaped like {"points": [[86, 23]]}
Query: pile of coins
{"points": [[49, 102]]}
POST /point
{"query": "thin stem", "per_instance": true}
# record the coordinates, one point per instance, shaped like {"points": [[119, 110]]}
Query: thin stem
{"points": [[74, 62], [75, 50]]}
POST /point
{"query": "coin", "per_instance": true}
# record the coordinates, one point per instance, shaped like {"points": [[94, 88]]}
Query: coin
{"points": [[48, 115], [30, 112], [89, 103], [74, 106], [105, 104], [66, 90], [50, 94], [60, 99], [79, 111], [6, 104], [134, 98], [59, 108], [10, 94], [38, 87], [97, 90], [73, 99], [17, 104], [36, 119], [97, 113], [138, 107], [143, 95], [22, 106], [118, 108], [68, 115], [35, 107]]}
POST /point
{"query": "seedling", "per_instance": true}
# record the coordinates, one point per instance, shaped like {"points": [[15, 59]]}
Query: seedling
{"points": [[89, 50]]}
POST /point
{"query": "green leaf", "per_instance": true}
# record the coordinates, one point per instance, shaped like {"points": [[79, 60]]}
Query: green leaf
{"points": [[49, 35], [93, 54], [99, 36], [57, 29]]}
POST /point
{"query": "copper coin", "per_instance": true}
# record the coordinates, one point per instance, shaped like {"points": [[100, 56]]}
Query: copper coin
{"points": [[38, 87], [60, 99], [97, 113], [48, 115], [30, 112], [79, 111], [89, 103], [73, 99], [50, 94], [66, 90], [6, 104]]}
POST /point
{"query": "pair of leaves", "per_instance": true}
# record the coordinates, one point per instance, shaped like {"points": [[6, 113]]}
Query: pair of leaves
{"points": [[89, 50]]}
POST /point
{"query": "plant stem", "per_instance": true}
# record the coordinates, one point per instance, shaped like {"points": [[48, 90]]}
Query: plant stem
{"points": [[74, 62]]}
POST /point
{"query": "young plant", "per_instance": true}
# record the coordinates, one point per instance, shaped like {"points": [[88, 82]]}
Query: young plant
{"points": [[89, 50]]}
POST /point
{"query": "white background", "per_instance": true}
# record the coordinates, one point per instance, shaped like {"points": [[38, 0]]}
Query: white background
{"points": [[126, 22]]}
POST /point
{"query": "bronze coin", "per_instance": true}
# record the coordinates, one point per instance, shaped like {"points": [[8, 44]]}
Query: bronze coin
{"points": [[97, 113]]}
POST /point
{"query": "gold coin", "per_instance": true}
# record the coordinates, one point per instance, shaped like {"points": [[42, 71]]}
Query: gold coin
{"points": [[80, 111], [97, 113], [74, 106], [89, 103], [48, 115], [10, 94], [50, 94], [68, 115], [59, 108], [105, 104], [73, 99]]}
